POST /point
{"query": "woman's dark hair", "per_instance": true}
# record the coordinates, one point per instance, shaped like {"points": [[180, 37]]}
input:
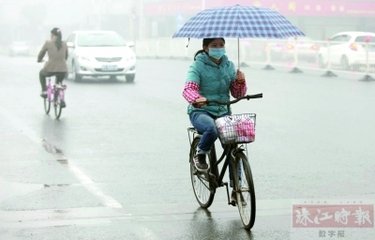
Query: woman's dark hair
{"points": [[57, 32], [205, 43]]}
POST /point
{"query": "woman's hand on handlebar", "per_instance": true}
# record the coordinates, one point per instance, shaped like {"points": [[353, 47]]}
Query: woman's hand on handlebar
{"points": [[200, 102], [240, 77]]}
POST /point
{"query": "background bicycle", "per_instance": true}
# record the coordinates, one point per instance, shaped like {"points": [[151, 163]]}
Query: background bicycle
{"points": [[234, 131], [55, 96]]}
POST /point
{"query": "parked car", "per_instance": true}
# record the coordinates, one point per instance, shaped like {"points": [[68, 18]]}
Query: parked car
{"points": [[349, 50], [19, 48], [100, 53], [304, 47]]}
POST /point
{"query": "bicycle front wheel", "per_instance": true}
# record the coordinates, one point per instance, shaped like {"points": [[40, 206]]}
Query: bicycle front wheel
{"points": [[244, 189], [57, 104], [203, 190], [47, 105]]}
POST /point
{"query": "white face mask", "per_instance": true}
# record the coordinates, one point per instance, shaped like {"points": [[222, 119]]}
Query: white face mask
{"points": [[216, 53]]}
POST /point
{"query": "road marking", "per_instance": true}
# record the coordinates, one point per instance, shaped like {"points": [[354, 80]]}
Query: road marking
{"points": [[91, 187], [84, 179]]}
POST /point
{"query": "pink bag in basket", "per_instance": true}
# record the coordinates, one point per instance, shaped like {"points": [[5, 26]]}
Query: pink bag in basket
{"points": [[245, 130], [236, 128]]}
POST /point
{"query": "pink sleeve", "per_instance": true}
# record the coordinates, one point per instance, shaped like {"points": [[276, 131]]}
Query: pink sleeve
{"points": [[191, 92], [238, 89]]}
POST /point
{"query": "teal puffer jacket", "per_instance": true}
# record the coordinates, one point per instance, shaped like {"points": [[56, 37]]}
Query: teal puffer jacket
{"points": [[214, 81]]}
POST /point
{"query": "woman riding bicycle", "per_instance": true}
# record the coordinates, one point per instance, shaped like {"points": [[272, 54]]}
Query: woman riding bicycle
{"points": [[57, 51], [211, 76]]}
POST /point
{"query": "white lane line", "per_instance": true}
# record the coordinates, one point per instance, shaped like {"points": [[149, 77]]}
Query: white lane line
{"points": [[84, 179], [91, 187]]}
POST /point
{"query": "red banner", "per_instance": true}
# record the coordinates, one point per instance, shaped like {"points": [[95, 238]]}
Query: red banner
{"points": [[286, 7]]}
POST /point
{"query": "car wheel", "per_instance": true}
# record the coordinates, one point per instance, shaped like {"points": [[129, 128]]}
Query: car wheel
{"points": [[75, 76], [345, 63], [130, 78]]}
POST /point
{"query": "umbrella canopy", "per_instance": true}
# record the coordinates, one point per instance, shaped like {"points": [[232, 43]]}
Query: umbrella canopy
{"points": [[238, 22]]}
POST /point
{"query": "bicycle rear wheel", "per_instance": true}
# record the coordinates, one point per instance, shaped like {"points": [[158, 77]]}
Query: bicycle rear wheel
{"points": [[57, 104], [244, 189], [203, 190], [47, 105]]}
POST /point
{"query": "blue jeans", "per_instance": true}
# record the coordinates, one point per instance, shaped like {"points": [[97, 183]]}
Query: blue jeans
{"points": [[204, 123]]}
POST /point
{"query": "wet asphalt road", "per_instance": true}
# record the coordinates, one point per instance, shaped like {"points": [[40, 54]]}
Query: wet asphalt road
{"points": [[115, 165]]}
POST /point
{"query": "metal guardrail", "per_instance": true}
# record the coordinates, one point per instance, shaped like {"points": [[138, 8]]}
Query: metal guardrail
{"points": [[294, 55]]}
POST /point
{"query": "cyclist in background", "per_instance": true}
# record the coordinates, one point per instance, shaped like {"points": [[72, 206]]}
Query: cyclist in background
{"points": [[57, 51], [212, 75]]}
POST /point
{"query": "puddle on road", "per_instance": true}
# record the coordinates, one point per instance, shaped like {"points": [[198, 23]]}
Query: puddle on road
{"points": [[11, 189], [56, 185], [57, 152], [63, 161]]}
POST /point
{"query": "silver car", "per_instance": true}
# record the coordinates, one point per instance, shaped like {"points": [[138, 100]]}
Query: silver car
{"points": [[100, 53]]}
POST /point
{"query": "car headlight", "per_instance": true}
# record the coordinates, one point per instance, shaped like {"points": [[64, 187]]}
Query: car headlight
{"points": [[83, 58]]}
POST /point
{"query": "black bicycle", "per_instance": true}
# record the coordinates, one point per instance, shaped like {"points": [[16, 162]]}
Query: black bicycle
{"points": [[234, 133]]}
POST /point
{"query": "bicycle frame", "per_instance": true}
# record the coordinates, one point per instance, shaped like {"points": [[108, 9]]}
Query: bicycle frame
{"points": [[215, 172], [228, 155], [55, 95], [60, 89], [50, 90], [234, 159], [53, 88]]}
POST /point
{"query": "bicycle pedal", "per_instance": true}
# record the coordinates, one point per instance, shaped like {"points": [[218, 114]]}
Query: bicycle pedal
{"points": [[211, 174], [197, 172], [233, 203]]}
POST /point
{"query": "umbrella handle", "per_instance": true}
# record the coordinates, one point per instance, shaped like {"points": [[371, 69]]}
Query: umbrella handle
{"points": [[238, 53]]}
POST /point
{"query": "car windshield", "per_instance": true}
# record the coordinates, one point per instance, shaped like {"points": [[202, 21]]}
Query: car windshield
{"points": [[100, 40], [340, 38], [369, 39]]}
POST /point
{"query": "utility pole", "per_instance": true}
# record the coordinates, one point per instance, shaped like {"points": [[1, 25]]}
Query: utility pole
{"points": [[137, 16], [203, 4], [141, 20]]}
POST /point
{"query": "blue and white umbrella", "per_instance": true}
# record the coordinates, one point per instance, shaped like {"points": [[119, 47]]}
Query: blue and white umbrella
{"points": [[238, 22]]}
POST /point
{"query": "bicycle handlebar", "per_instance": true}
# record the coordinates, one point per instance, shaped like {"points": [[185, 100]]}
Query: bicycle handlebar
{"points": [[247, 97]]}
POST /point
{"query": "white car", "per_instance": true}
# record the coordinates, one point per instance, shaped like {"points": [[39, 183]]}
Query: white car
{"points": [[285, 49], [350, 50], [100, 53], [19, 48]]}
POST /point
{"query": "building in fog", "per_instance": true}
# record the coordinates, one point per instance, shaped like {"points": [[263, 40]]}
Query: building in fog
{"points": [[318, 18], [143, 19], [32, 20]]}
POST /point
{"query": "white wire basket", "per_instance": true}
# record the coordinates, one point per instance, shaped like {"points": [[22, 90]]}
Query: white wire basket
{"points": [[236, 128]]}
